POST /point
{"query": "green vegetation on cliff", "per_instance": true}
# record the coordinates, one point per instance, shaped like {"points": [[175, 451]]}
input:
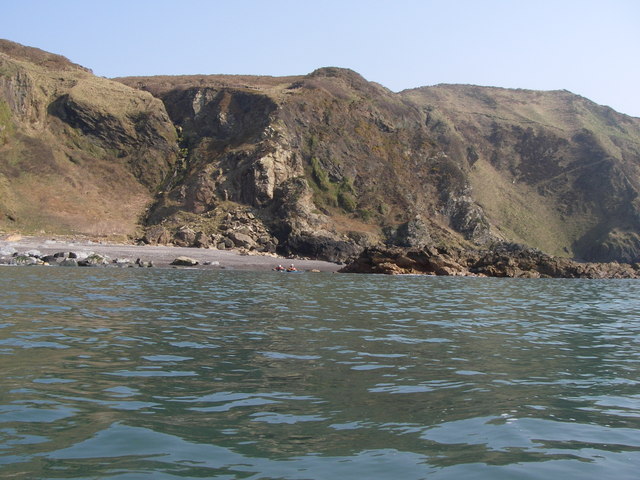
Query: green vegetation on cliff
{"points": [[6, 125]]}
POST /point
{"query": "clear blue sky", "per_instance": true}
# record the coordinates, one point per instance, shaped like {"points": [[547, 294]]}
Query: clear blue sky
{"points": [[590, 47]]}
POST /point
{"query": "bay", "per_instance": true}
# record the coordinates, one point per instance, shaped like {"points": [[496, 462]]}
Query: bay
{"points": [[173, 374]]}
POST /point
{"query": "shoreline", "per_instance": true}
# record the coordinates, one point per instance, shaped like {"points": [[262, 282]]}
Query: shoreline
{"points": [[163, 255]]}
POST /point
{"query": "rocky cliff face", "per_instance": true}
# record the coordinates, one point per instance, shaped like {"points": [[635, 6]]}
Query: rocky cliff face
{"points": [[328, 163], [465, 164], [549, 169], [321, 165], [78, 153]]}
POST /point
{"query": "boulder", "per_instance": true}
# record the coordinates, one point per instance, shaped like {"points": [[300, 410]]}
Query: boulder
{"points": [[185, 237], [242, 240], [201, 240], [51, 259], [184, 262], [94, 260], [156, 235], [26, 260]]}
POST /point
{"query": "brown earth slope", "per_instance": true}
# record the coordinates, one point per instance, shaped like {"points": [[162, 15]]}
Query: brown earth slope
{"points": [[78, 153]]}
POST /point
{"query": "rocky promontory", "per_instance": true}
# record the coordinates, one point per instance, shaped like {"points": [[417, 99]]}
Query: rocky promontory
{"points": [[504, 260]]}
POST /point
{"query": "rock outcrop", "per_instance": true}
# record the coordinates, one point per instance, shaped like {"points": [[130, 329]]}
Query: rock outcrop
{"points": [[504, 260]]}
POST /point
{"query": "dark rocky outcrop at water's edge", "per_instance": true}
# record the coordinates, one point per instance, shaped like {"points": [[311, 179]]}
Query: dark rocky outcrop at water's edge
{"points": [[506, 260]]}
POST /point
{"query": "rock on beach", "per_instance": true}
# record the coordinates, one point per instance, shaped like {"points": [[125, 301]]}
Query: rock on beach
{"points": [[183, 261]]}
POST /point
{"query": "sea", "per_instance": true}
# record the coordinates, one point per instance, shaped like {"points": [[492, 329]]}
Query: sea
{"points": [[111, 373]]}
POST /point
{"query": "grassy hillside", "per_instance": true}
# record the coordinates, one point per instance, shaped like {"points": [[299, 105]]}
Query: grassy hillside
{"points": [[551, 169], [78, 153]]}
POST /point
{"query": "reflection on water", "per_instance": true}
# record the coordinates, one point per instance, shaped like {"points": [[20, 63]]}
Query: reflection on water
{"points": [[200, 374]]}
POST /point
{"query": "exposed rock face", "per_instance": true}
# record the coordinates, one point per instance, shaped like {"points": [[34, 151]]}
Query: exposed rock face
{"points": [[506, 260], [549, 169], [300, 155], [413, 233], [489, 164], [137, 130], [468, 218]]}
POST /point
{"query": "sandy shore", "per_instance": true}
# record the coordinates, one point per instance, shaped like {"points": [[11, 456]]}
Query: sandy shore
{"points": [[161, 255]]}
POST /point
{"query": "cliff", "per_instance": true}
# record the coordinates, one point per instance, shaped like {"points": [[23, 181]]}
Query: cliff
{"points": [[551, 170], [321, 165], [326, 162], [333, 163]]}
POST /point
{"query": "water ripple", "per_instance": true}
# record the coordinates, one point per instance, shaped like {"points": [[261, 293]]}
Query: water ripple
{"points": [[173, 374]]}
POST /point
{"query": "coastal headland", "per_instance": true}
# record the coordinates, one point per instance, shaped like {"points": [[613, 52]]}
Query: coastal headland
{"points": [[445, 179]]}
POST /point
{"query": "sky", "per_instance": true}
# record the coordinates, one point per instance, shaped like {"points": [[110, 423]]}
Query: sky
{"points": [[589, 47]]}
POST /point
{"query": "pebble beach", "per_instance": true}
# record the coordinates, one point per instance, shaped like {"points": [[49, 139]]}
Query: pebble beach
{"points": [[161, 255]]}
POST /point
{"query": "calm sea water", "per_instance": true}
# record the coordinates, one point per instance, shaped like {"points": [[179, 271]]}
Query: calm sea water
{"points": [[174, 374]]}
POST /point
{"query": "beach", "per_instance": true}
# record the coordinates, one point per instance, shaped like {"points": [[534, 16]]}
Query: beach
{"points": [[162, 255]]}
